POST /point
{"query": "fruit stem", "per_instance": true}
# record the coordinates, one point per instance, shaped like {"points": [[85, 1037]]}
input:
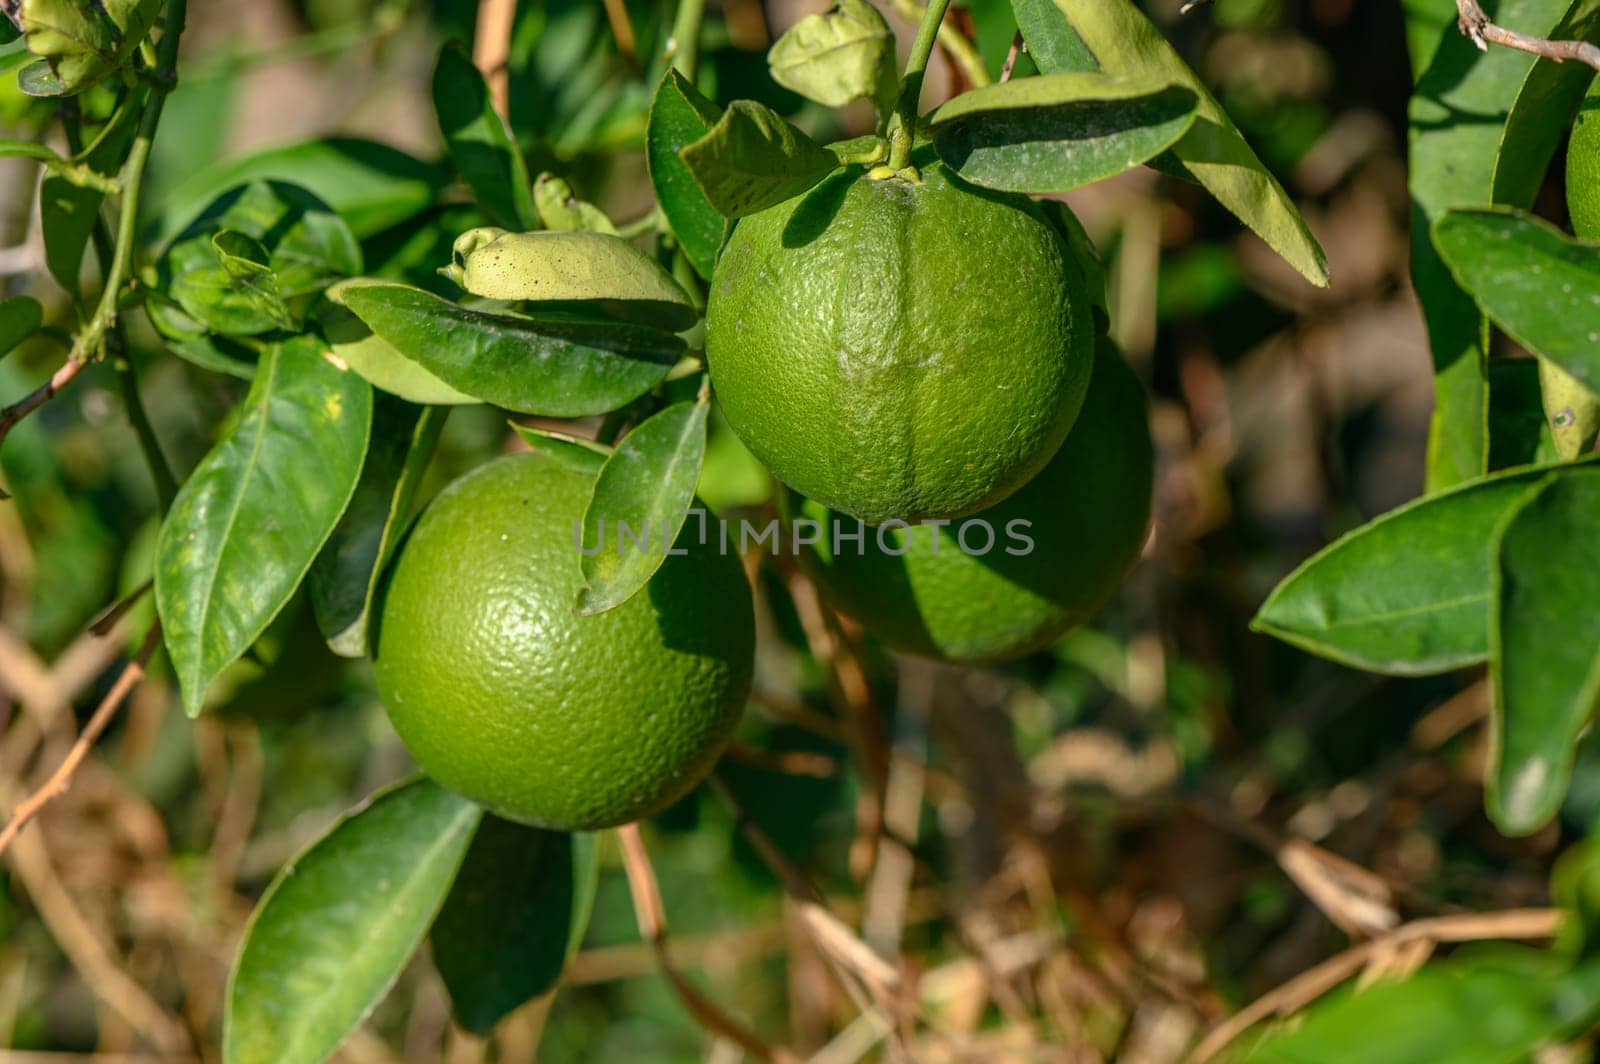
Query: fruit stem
{"points": [[903, 129], [686, 37]]}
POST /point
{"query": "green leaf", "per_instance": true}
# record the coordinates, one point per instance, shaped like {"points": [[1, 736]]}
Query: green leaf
{"points": [[571, 270], [753, 159], [68, 212], [370, 185], [20, 318], [645, 491], [1495, 1007], [1545, 104], [228, 288], [344, 578], [1518, 432], [1532, 280], [1124, 43], [844, 54], [252, 516], [479, 142], [380, 362], [244, 262], [1053, 43], [339, 923], [1057, 132], [1406, 594], [515, 915], [679, 116], [1458, 118], [1544, 647], [552, 367]]}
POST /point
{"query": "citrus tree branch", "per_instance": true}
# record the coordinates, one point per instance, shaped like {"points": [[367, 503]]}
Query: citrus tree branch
{"points": [[61, 778], [652, 917], [90, 342], [1475, 23]]}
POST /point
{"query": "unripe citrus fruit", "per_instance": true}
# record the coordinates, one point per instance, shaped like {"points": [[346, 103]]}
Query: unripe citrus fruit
{"points": [[1011, 578], [504, 694], [1583, 167], [900, 350]]}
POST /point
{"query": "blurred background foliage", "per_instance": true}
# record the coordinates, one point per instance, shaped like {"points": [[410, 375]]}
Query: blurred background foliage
{"points": [[1122, 798]]}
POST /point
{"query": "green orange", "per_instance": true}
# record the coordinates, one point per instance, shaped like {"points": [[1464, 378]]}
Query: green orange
{"points": [[1583, 167], [1055, 552], [900, 349], [503, 693]]}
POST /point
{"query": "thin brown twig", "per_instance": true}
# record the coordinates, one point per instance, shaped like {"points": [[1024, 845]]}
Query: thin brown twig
{"points": [[652, 917], [61, 778], [1476, 24], [13, 414], [1311, 984], [1011, 57], [77, 939], [622, 30], [786, 762], [491, 50], [851, 959]]}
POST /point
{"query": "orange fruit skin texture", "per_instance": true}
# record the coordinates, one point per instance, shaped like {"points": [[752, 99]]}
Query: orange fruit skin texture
{"points": [[1583, 167], [899, 350], [1089, 512], [504, 694]]}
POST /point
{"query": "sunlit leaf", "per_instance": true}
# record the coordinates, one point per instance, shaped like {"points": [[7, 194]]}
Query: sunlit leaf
{"points": [[555, 367], [1056, 132], [251, 518], [339, 923], [647, 486]]}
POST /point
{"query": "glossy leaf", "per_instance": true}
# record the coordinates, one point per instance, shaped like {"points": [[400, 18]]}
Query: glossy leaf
{"points": [[1544, 661], [339, 923], [515, 915], [245, 263], [679, 116], [1544, 107], [1458, 117], [479, 142], [1053, 43], [380, 362], [20, 318], [836, 56], [1495, 1007], [1406, 594], [553, 367], [252, 516], [1532, 280], [753, 159], [344, 578], [645, 490], [1125, 44], [239, 289], [370, 185], [572, 270], [1518, 432], [1057, 132]]}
